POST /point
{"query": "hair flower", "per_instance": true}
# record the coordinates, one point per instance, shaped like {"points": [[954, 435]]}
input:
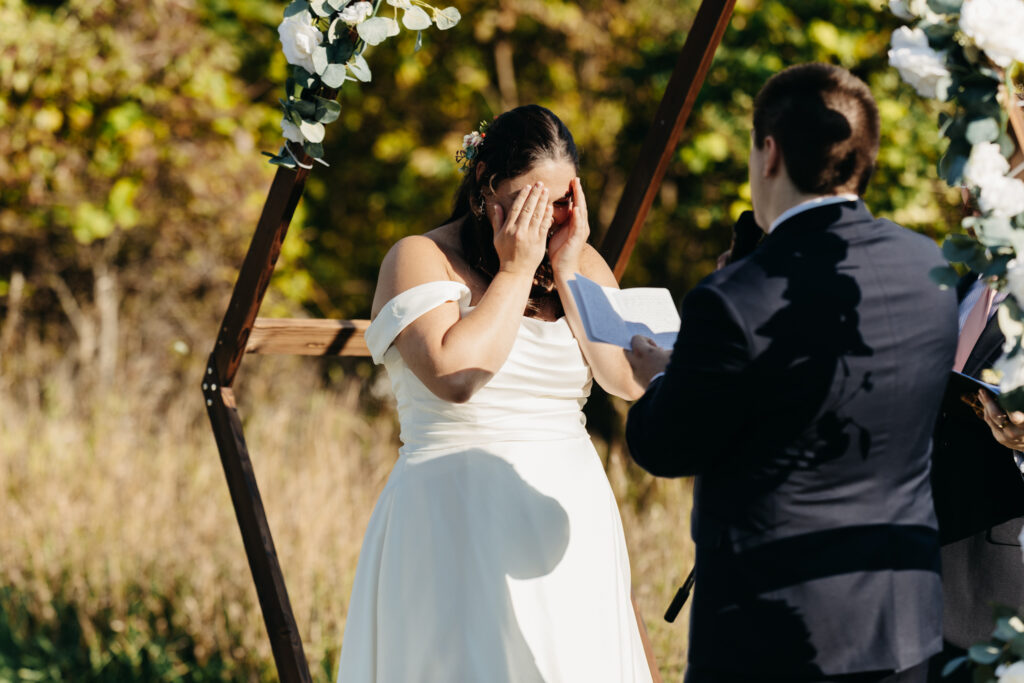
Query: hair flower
{"points": [[470, 146]]}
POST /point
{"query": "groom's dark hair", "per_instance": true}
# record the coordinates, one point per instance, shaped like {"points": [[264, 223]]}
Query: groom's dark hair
{"points": [[826, 125]]}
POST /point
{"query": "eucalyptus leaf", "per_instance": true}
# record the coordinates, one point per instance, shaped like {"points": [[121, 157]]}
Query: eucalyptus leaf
{"points": [[944, 276], [447, 18], [416, 19], [321, 7], [952, 665], [940, 36], [327, 111], [306, 109], [984, 654], [342, 50], [951, 167], [945, 121], [1007, 627], [982, 130], [313, 149], [359, 68], [374, 30], [1017, 644], [313, 131], [419, 41], [976, 94], [945, 6], [1006, 144], [295, 8], [334, 75], [293, 116], [320, 61], [960, 249]]}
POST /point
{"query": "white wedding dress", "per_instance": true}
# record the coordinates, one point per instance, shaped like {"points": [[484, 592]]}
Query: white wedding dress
{"points": [[495, 553]]}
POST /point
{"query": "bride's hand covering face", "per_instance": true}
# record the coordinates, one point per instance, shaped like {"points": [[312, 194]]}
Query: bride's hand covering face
{"points": [[521, 236], [569, 236]]}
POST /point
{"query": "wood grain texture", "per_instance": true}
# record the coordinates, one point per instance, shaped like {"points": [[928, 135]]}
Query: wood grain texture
{"points": [[254, 276], [285, 641], [660, 144], [312, 337], [1016, 129]]}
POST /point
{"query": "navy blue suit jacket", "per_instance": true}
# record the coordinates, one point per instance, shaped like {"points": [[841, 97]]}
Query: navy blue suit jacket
{"points": [[802, 391]]}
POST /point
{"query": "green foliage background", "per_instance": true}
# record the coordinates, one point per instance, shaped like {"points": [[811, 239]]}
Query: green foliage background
{"points": [[131, 180]]}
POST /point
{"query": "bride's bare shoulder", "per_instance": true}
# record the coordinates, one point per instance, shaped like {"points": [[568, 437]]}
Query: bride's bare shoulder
{"points": [[414, 260]]}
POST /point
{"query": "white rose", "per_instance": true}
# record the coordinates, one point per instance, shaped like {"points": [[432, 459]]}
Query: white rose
{"points": [[299, 38], [1014, 673], [910, 10], [997, 27], [918, 64], [1001, 196], [356, 12], [293, 134], [986, 161]]}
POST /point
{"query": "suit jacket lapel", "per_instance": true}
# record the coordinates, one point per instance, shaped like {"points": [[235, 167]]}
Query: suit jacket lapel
{"points": [[986, 350]]}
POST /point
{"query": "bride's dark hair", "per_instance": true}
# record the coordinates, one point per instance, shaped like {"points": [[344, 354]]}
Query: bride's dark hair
{"points": [[515, 142]]}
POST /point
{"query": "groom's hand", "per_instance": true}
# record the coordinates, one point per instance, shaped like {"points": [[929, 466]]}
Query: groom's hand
{"points": [[647, 359]]}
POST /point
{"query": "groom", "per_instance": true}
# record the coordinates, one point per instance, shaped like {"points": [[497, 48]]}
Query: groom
{"points": [[802, 391]]}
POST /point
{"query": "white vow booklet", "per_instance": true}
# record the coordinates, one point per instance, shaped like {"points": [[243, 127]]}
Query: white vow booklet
{"points": [[613, 316]]}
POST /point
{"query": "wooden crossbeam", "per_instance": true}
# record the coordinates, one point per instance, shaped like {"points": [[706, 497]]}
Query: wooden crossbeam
{"points": [[660, 144], [308, 337]]}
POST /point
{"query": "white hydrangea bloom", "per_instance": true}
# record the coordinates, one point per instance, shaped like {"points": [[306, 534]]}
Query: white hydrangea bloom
{"points": [[1014, 673], [1001, 196], [293, 134], [986, 161], [918, 64], [401, 4], [299, 38], [997, 27], [356, 12]]}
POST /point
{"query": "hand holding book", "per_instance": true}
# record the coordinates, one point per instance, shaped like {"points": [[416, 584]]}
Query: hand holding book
{"points": [[615, 316]]}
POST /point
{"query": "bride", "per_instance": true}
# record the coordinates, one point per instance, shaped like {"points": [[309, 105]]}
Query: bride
{"points": [[495, 552]]}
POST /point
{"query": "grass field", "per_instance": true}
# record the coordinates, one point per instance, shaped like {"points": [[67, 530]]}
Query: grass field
{"points": [[120, 558]]}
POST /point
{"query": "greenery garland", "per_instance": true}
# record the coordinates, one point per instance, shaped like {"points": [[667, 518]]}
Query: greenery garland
{"points": [[324, 42], [968, 52]]}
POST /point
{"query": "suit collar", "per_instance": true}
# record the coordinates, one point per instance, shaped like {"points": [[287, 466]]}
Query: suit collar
{"points": [[822, 217]]}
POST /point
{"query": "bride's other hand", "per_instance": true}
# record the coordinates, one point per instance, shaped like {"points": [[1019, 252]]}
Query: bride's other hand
{"points": [[520, 237], [565, 248], [647, 359]]}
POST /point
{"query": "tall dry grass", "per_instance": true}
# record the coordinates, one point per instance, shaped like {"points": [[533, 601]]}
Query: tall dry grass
{"points": [[113, 501]]}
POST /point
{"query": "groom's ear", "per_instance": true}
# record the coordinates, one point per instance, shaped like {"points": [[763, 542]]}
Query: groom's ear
{"points": [[771, 157]]}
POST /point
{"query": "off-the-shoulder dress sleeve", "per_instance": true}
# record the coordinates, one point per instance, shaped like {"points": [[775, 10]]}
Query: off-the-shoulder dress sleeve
{"points": [[407, 307]]}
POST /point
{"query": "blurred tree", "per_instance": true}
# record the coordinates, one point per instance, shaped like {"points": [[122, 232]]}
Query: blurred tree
{"points": [[130, 158], [129, 165]]}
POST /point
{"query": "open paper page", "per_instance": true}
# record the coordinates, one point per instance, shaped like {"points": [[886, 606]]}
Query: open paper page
{"points": [[614, 316]]}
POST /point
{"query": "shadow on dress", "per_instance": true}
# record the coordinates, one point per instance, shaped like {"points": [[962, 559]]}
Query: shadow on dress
{"points": [[459, 527]]}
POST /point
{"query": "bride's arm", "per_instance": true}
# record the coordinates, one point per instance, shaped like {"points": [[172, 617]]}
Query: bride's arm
{"points": [[570, 254], [452, 355]]}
